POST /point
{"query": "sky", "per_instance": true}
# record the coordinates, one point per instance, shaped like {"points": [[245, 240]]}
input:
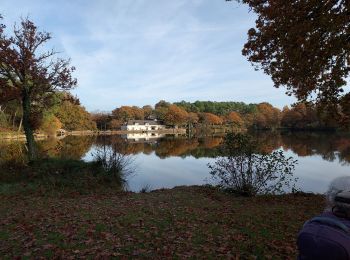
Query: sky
{"points": [[137, 52]]}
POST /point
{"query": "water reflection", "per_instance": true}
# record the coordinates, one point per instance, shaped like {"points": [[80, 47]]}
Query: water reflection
{"points": [[166, 161], [331, 146], [71, 147]]}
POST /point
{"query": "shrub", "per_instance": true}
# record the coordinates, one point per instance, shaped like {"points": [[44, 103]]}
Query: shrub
{"points": [[113, 162], [245, 171]]}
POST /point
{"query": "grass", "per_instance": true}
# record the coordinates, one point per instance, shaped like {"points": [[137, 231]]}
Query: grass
{"points": [[195, 222], [56, 176]]}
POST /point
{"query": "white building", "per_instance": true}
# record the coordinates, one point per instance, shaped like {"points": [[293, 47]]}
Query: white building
{"points": [[143, 137], [142, 125]]}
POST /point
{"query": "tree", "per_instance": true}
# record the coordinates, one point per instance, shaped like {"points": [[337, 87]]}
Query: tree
{"points": [[233, 118], [75, 117], [192, 118], [210, 119], [161, 108], [125, 113], [34, 75], [345, 117], [303, 45], [50, 124], [217, 108], [101, 119], [175, 116], [115, 124], [147, 111], [267, 116], [302, 115]]}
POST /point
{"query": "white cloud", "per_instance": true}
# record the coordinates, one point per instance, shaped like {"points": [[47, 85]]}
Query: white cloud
{"points": [[141, 51]]}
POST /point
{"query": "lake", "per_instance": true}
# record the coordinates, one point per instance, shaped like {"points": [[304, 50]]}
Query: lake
{"points": [[167, 161]]}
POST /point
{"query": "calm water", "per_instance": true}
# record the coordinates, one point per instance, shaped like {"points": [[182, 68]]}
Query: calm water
{"points": [[168, 161]]}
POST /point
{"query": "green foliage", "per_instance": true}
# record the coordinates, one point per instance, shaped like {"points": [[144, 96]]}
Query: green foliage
{"points": [[50, 124], [244, 171], [161, 109], [75, 117], [217, 108]]}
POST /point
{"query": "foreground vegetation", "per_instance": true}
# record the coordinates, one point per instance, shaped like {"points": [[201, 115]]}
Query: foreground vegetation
{"points": [[68, 208], [58, 176], [177, 223]]}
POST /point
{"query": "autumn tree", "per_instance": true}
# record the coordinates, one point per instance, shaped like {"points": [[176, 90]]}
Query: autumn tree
{"points": [[192, 118], [234, 119], [175, 116], [115, 124], [266, 116], [74, 117], [210, 119], [125, 113], [32, 73], [304, 46], [302, 115]]}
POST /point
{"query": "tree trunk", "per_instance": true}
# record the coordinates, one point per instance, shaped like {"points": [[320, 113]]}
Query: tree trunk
{"points": [[26, 104], [20, 125], [14, 119]]}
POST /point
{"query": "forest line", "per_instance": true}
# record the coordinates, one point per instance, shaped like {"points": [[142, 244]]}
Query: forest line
{"points": [[66, 112]]}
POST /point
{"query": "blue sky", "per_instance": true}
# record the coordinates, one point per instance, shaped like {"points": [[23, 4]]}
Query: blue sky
{"points": [[137, 52]]}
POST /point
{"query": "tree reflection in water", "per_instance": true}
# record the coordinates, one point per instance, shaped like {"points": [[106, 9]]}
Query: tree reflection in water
{"points": [[71, 147], [330, 145]]}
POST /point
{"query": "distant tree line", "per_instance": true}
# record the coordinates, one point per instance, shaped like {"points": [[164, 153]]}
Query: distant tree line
{"points": [[236, 115], [65, 111]]}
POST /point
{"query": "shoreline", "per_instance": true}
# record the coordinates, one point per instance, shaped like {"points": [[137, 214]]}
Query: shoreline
{"points": [[13, 136]]}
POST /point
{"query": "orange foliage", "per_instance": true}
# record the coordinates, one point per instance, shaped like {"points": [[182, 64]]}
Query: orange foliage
{"points": [[192, 118], [125, 113], [209, 118], [267, 116], [175, 116], [234, 118]]}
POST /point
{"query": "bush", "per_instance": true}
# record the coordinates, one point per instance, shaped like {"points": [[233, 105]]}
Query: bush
{"points": [[112, 162], [246, 172]]}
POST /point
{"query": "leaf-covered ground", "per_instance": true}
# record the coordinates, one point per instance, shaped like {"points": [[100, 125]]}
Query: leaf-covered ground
{"points": [[182, 222]]}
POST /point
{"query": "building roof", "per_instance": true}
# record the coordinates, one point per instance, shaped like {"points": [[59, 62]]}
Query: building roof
{"points": [[144, 122]]}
